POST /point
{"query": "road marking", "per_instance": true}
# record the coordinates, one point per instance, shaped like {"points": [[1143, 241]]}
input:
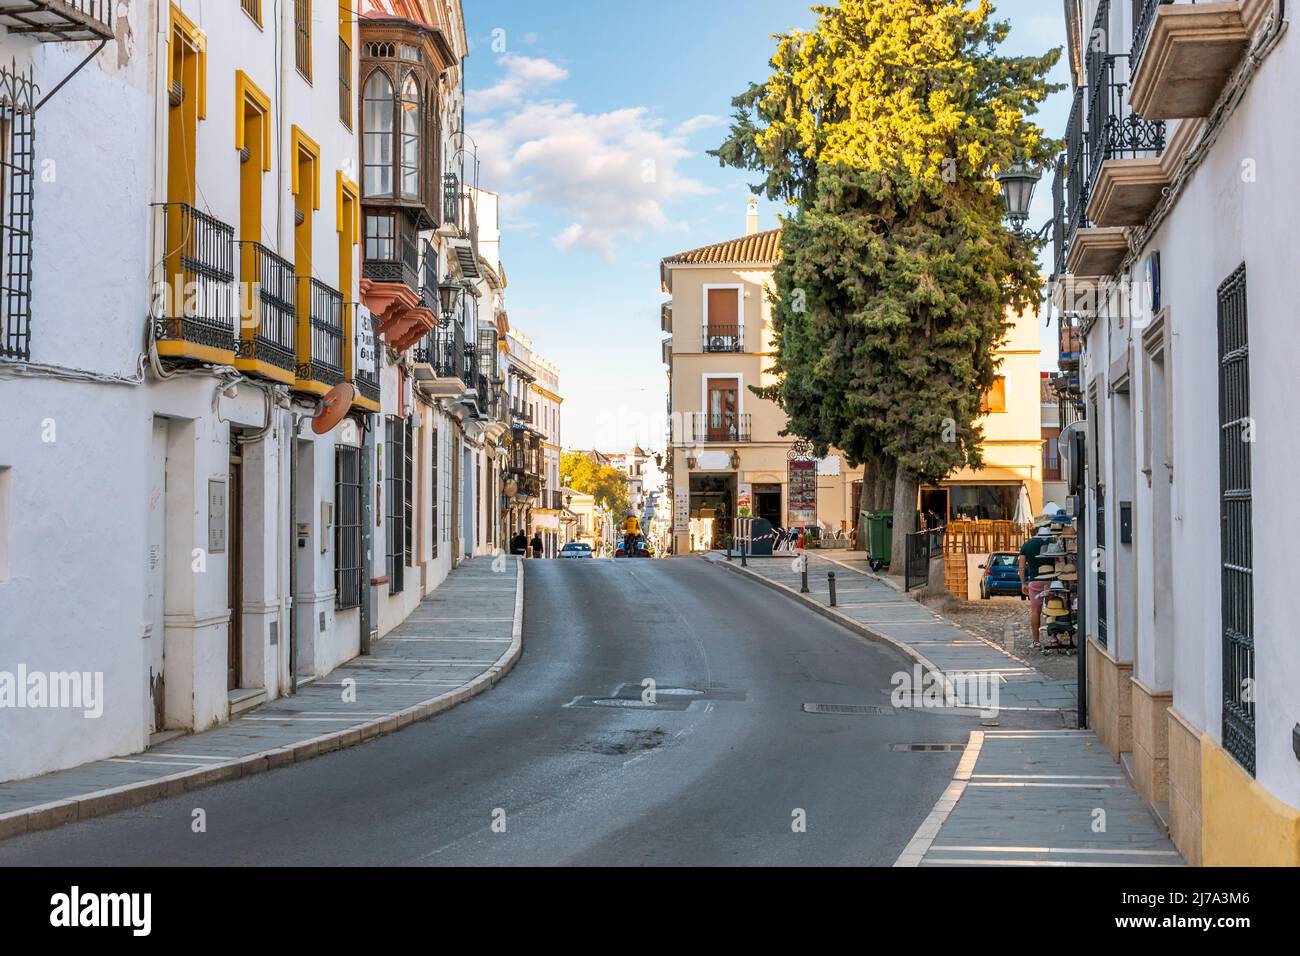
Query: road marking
{"points": [[980, 861], [1084, 786], [920, 843], [1053, 849]]}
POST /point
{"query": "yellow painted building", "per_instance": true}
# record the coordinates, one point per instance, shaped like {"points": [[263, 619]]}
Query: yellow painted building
{"points": [[727, 449]]}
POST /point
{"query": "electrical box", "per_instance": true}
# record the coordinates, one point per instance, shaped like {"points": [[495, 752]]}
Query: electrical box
{"points": [[1126, 522]]}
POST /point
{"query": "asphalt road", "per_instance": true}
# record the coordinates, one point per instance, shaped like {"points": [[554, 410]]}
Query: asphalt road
{"points": [[535, 772]]}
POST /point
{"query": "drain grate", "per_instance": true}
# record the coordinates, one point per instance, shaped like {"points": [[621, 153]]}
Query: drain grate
{"points": [[856, 710], [926, 748]]}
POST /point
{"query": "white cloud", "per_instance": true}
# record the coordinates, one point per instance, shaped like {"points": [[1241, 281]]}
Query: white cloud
{"points": [[607, 176], [697, 123], [524, 75]]}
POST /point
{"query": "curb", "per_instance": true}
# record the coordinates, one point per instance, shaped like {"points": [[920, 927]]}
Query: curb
{"points": [[842, 619], [921, 841], [98, 803]]}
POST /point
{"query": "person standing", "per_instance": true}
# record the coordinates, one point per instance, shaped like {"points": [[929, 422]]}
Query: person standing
{"points": [[537, 544], [519, 543], [1031, 566]]}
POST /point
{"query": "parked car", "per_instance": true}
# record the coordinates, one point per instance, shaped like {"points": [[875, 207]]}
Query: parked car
{"points": [[576, 549], [1001, 575]]}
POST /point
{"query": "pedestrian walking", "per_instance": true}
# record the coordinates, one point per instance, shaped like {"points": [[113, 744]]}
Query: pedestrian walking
{"points": [[537, 545], [519, 543]]}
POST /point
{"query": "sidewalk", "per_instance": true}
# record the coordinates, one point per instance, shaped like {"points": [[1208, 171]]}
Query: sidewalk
{"points": [[1039, 798], [880, 612], [1019, 797], [460, 640]]}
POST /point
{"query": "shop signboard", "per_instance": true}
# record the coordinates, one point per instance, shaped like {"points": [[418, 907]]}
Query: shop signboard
{"points": [[801, 491]]}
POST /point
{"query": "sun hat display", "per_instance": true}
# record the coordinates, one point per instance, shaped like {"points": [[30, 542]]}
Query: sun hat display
{"points": [[1044, 531]]}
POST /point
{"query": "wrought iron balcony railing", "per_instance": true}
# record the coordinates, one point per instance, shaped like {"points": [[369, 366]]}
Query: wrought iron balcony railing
{"points": [[324, 363], [1144, 17], [710, 427], [1059, 223], [404, 268], [59, 21], [270, 307], [451, 200], [722, 338], [198, 288], [1114, 130]]}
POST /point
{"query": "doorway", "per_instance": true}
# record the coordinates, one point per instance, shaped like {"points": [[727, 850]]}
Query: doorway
{"points": [[724, 403], [934, 506], [156, 579], [235, 565], [767, 503], [713, 506]]}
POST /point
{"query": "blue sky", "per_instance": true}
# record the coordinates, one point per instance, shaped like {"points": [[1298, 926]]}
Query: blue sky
{"points": [[592, 118]]}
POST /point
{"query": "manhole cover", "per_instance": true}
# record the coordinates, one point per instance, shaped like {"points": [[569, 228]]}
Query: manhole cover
{"points": [[860, 710], [619, 702], [926, 748]]}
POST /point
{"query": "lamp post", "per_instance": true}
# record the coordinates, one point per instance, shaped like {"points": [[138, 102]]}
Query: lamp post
{"points": [[448, 295], [1018, 182]]}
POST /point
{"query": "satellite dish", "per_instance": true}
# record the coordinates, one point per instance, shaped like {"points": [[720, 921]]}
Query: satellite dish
{"points": [[333, 407]]}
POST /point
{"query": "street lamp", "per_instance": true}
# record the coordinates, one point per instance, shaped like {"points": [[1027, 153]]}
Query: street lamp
{"points": [[1018, 182], [448, 294]]}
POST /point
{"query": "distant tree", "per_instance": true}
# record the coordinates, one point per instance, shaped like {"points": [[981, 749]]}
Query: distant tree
{"points": [[883, 128], [605, 483]]}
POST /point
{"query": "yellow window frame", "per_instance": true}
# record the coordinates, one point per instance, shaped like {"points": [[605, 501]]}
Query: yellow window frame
{"points": [[346, 187], [301, 142], [188, 32], [246, 91]]}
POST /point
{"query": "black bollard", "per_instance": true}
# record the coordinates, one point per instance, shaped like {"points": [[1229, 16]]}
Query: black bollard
{"points": [[830, 580], [803, 575], [743, 562]]}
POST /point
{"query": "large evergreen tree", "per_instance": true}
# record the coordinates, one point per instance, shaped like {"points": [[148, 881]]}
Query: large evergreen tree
{"points": [[883, 127]]}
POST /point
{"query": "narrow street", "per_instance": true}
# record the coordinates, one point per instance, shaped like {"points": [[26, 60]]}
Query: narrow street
{"points": [[712, 776]]}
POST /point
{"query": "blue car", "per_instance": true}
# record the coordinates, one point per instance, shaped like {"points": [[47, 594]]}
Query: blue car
{"points": [[1001, 575]]}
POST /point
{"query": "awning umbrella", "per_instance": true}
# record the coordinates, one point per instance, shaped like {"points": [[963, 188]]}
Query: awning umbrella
{"points": [[1024, 513]]}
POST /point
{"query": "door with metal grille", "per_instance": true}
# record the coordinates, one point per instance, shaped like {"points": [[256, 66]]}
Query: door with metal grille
{"points": [[395, 498], [1235, 437], [347, 527]]}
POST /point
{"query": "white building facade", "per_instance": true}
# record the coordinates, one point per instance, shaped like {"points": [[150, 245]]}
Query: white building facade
{"points": [[1176, 225], [225, 167]]}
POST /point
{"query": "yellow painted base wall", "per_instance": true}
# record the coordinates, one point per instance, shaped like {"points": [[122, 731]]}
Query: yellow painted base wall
{"points": [[1242, 824]]}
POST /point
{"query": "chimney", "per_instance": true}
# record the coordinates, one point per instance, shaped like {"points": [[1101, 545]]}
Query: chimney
{"points": [[751, 217]]}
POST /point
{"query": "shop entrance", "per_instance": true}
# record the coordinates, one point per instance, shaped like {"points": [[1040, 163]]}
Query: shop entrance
{"points": [[713, 506], [934, 506], [767, 503]]}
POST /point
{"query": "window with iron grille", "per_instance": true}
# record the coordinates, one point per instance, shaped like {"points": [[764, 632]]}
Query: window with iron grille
{"points": [[254, 9], [408, 493], [347, 527], [1235, 549], [434, 451], [395, 497], [17, 167], [302, 37]]}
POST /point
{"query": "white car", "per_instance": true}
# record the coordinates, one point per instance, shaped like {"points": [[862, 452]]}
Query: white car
{"points": [[576, 549]]}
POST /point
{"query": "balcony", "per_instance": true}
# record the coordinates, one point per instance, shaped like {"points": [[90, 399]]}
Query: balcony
{"points": [[269, 314], [392, 284], [728, 428], [320, 338], [487, 388], [440, 362], [722, 338], [1125, 175], [666, 317], [363, 368], [197, 314], [59, 21], [1183, 55], [666, 347]]}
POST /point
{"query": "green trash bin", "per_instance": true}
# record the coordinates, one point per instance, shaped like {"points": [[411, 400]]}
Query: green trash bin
{"points": [[878, 528]]}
